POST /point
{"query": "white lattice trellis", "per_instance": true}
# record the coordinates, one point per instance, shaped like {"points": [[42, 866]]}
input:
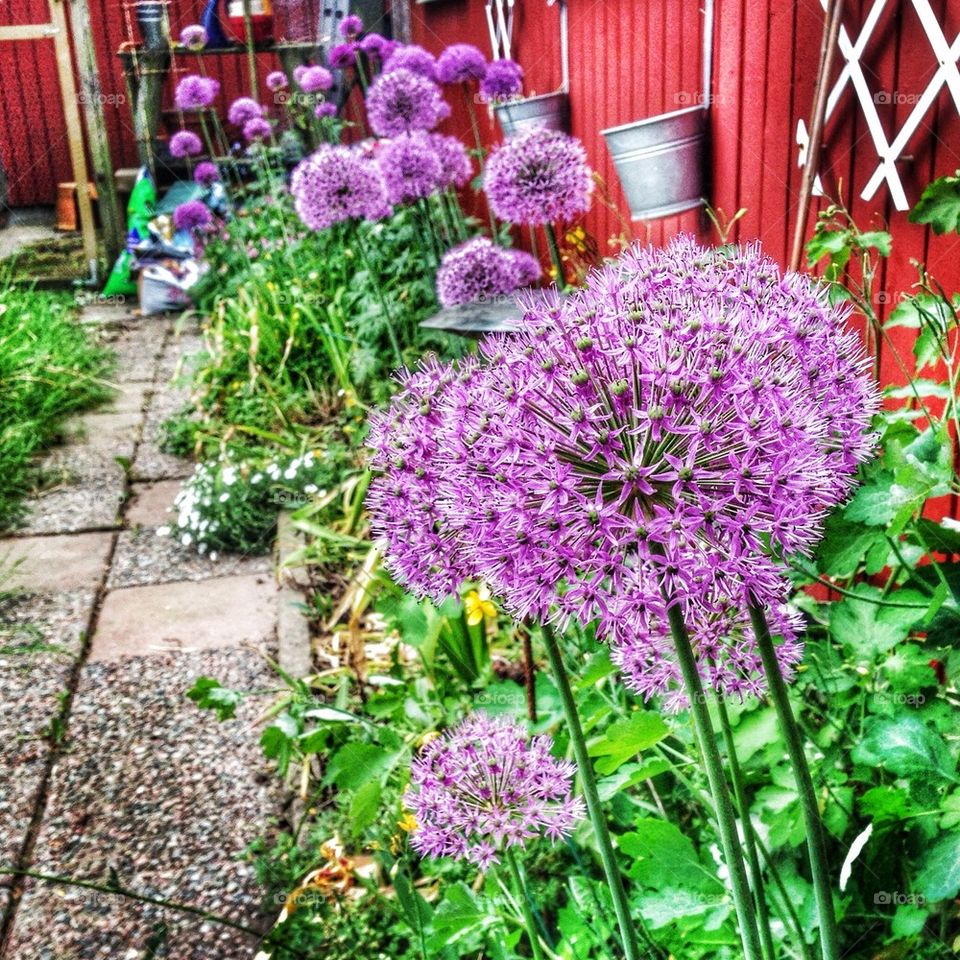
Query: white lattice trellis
{"points": [[888, 151], [500, 24]]}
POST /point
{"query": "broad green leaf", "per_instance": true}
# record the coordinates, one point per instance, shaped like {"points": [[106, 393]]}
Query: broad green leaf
{"points": [[755, 732], [355, 764], [886, 804], [908, 920], [939, 205], [908, 670], [939, 876], [210, 694], [866, 628], [626, 738], [878, 240], [844, 545], [629, 775], [678, 903], [365, 806], [663, 856], [903, 745], [460, 915]]}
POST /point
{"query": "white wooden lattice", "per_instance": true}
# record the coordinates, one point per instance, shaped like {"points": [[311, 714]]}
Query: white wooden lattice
{"points": [[888, 151], [500, 25]]}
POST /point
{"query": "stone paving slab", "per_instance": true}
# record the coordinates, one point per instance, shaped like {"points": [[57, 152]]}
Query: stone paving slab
{"points": [[138, 347], [87, 504], [163, 794], [150, 503], [186, 615], [130, 397], [51, 564]]}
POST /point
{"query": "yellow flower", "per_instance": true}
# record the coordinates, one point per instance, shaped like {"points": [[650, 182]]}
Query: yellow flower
{"points": [[478, 605], [408, 822]]}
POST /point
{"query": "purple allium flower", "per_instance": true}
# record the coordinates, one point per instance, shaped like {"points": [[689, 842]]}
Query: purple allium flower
{"points": [[338, 183], [401, 101], [351, 26], [256, 128], [411, 167], [243, 109], [315, 79], [194, 37], [661, 431], [185, 143], [298, 72], [456, 167], [538, 177], [206, 173], [325, 109], [477, 270], [195, 93], [410, 56], [192, 215], [277, 80], [503, 79], [526, 268], [343, 55], [461, 63], [483, 787], [373, 45]]}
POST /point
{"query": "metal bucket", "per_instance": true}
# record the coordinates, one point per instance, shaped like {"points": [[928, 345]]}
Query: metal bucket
{"points": [[549, 110], [661, 162], [151, 19]]}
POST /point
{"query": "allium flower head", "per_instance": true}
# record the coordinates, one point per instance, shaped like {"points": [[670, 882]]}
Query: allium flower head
{"points": [[351, 26], [461, 63], [206, 173], [277, 80], [192, 215], [538, 177], [410, 56], [503, 79], [652, 438], [315, 79], [373, 45], [342, 56], [194, 92], [185, 143], [456, 167], [338, 183], [484, 787], [401, 101], [325, 109], [411, 167], [526, 268], [194, 37], [256, 128], [478, 270], [243, 109]]}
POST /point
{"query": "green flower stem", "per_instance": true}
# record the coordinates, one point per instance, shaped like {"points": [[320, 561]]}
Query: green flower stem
{"points": [[555, 254], [520, 888], [726, 818], [481, 153], [628, 932], [816, 842], [743, 808], [375, 278]]}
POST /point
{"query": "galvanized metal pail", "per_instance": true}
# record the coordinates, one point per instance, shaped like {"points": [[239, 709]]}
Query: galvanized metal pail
{"points": [[661, 162], [151, 19], [549, 110]]}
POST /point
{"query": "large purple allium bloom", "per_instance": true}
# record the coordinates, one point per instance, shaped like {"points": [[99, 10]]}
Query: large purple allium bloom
{"points": [[343, 55], [195, 93], [410, 56], [351, 26], [461, 63], [277, 80], [243, 109], [538, 177], [657, 435], [185, 143], [503, 79], [484, 787], [315, 79], [456, 167], [338, 183], [411, 167], [192, 215], [206, 173], [478, 270], [526, 268], [256, 128], [194, 37], [373, 45], [401, 101]]}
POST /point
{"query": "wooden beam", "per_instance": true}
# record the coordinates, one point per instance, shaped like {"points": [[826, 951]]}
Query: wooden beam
{"points": [[28, 31]]}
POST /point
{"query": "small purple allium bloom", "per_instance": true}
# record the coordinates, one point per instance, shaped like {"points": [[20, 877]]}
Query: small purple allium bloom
{"points": [[456, 167], [503, 79], [411, 167], [410, 56], [185, 143], [195, 92], [401, 101], [277, 80], [315, 79], [483, 787], [538, 177], [325, 109], [243, 109], [658, 436], [206, 173], [338, 183], [373, 45], [351, 26], [192, 215], [343, 55], [478, 270], [194, 37], [526, 268], [298, 72], [256, 128], [461, 63]]}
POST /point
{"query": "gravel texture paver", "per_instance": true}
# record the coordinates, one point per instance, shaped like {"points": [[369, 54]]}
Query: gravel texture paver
{"points": [[50, 564], [164, 795], [138, 347], [87, 504]]}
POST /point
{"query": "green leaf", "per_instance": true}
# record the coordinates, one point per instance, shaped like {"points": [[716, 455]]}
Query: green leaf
{"points": [[941, 538], [908, 921], [755, 732], [904, 745], [939, 876], [356, 764], [210, 694], [459, 916], [886, 804], [625, 739], [663, 856], [844, 545], [866, 628], [630, 775], [908, 670], [939, 205], [878, 240], [365, 806]]}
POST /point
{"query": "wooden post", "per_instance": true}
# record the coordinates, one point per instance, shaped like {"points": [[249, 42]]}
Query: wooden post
{"points": [[92, 98], [71, 110]]}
